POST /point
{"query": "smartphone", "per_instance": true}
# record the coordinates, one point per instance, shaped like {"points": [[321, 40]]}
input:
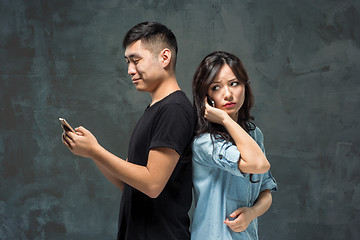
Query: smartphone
{"points": [[210, 101], [65, 125]]}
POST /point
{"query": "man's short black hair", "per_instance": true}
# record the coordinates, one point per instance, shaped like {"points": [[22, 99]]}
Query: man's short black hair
{"points": [[154, 37]]}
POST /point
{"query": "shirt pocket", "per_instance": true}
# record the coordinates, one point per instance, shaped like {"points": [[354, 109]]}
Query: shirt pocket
{"points": [[239, 190]]}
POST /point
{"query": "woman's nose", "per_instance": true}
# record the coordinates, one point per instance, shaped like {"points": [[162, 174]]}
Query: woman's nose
{"points": [[227, 93]]}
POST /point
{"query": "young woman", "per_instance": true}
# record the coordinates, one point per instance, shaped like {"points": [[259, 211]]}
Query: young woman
{"points": [[231, 177]]}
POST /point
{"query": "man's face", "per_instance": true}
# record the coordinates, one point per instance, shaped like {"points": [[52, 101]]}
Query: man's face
{"points": [[144, 67]]}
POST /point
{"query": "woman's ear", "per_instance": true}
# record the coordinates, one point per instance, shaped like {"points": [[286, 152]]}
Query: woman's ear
{"points": [[165, 57]]}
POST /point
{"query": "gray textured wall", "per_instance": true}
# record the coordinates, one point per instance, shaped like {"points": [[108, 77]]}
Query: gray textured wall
{"points": [[64, 58]]}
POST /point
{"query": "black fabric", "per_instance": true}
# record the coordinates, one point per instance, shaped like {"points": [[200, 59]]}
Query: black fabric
{"points": [[168, 123]]}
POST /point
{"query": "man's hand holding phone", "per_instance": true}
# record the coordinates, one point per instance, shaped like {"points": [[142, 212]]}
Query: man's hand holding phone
{"points": [[80, 141]]}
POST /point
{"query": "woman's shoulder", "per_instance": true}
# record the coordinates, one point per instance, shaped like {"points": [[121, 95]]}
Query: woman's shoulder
{"points": [[206, 141], [202, 138]]}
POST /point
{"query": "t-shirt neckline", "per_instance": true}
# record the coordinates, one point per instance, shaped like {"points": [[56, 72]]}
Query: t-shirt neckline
{"points": [[150, 106]]}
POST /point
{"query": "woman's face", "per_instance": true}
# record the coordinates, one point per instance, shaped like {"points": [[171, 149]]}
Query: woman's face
{"points": [[227, 92]]}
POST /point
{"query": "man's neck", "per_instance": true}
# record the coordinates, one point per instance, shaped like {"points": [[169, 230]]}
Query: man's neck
{"points": [[167, 87]]}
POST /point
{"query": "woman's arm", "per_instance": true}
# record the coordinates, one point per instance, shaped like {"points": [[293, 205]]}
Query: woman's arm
{"points": [[244, 216], [252, 158]]}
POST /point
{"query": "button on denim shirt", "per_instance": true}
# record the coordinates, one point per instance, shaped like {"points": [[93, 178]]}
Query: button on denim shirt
{"points": [[220, 188]]}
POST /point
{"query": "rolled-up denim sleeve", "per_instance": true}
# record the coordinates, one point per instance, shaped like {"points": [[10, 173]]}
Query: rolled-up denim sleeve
{"points": [[268, 182], [216, 153]]}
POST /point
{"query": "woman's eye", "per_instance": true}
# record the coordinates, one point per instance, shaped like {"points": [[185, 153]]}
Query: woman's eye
{"points": [[233, 84], [215, 88]]}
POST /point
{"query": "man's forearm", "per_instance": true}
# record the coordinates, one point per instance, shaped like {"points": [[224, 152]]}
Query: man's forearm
{"points": [[150, 179], [117, 182], [118, 170]]}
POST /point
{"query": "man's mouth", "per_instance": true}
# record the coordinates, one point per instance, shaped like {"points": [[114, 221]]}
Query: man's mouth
{"points": [[135, 80]]}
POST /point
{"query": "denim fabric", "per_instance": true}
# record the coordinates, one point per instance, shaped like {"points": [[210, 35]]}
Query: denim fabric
{"points": [[220, 188]]}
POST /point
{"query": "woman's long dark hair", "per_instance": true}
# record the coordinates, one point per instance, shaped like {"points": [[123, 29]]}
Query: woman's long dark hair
{"points": [[206, 72]]}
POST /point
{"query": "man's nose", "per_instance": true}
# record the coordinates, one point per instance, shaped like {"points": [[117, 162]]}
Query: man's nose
{"points": [[131, 69]]}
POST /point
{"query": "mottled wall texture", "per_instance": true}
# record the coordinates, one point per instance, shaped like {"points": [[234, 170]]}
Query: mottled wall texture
{"points": [[64, 58]]}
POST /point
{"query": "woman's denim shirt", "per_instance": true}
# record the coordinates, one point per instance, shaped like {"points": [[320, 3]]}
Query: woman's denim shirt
{"points": [[220, 188]]}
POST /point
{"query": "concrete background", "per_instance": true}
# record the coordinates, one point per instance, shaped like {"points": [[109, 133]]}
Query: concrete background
{"points": [[64, 58]]}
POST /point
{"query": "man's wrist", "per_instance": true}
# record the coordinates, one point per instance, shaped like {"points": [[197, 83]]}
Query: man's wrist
{"points": [[95, 151]]}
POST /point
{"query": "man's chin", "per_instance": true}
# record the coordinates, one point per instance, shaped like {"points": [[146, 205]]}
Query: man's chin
{"points": [[140, 88]]}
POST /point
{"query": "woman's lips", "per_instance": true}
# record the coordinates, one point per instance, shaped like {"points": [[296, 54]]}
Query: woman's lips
{"points": [[230, 104]]}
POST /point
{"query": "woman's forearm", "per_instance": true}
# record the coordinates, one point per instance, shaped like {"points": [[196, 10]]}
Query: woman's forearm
{"points": [[252, 159], [262, 203]]}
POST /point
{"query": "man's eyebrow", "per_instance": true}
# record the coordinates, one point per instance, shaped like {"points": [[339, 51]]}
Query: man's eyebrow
{"points": [[131, 56]]}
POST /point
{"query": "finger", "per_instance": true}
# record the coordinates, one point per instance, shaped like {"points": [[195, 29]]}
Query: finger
{"points": [[230, 223], [238, 229], [69, 135], [81, 129], [65, 141], [206, 103], [235, 228], [79, 133], [234, 225], [237, 212]]}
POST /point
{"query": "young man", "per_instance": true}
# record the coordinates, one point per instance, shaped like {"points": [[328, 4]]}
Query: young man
{"points": [[156, 177]]}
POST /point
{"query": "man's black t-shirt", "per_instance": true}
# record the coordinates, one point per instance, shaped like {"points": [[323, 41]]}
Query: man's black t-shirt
{"points": [[168, 123]]}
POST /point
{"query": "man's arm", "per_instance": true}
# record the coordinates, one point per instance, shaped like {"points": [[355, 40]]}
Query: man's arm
{"points": [[117, 182], [150, 179]]}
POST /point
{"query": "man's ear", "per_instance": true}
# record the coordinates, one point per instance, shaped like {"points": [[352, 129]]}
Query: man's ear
{"points": [[165, 57]]}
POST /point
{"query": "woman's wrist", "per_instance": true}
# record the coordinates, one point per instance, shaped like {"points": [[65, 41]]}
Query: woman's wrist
{"points": [[227, 120], [253, 213]]}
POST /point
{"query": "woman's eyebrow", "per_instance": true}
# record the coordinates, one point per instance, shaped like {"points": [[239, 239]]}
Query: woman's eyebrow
{"points": [[232, 79]]}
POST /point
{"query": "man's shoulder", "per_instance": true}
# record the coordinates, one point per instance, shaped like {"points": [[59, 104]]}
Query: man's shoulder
{"points": [[176, 101], [177, 97]]}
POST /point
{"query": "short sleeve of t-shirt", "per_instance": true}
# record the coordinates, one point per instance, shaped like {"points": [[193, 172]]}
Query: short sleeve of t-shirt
{"points": [[172, 128]]}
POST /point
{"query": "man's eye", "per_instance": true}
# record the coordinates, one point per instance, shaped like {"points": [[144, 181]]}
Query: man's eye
{"points": [[136, 61]]}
